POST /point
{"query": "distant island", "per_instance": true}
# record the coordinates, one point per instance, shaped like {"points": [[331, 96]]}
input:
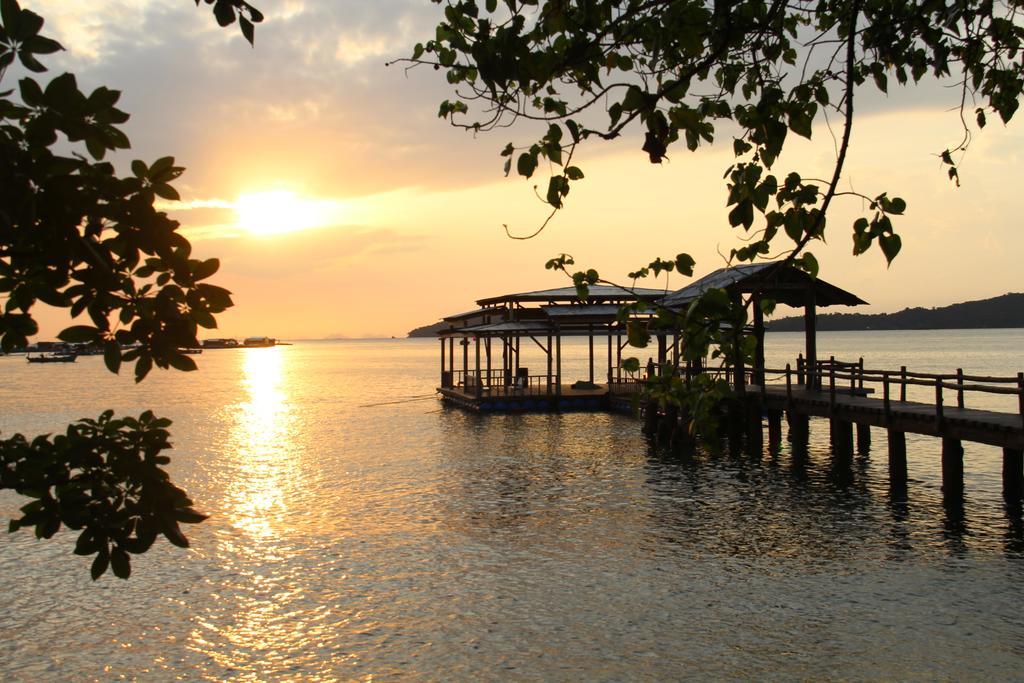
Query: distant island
{"points": [[428, 330], [1001, 311]]}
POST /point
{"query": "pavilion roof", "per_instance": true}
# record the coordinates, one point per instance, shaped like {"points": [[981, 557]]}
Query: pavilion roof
{"points": [[475, 312], [598, 294], [786, 284], [577, 311]]}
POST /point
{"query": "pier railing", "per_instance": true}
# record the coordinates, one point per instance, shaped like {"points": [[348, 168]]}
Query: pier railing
{"points": [[836, 377], [494, 382]]}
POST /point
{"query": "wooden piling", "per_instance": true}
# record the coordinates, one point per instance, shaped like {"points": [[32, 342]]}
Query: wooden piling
{"points": [[651, 418], [754, 427], [667, 425], [897, 458], [952, 468], [842, 436], [1013, 473], [799, 427], [774, 429], [863, 438]]}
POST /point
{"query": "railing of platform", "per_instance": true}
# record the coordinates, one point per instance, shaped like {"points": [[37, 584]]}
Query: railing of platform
{"points": [[839, 377], [494, 382]]}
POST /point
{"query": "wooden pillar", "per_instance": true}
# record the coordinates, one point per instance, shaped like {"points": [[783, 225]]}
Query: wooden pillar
{"points": [[558, 362], [515, 353], [754, 427], [479, 384], [451, 354], [550, 350], [487, 344], [590, 340], [952, 468], [442, 361], [1013, 473], [739, 378], [897, 458], [799, 427], [863, 438], [618, 354], [506, 362], [810, 338], [759, 335], [662, 351], [774, 430], [465, 360], [841, 432], [609, 356]]}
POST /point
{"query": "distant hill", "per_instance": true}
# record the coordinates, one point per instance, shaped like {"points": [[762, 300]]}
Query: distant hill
{"points": [[428, 330], [1001, 311]]}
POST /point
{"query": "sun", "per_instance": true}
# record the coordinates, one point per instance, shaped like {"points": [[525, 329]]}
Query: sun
{"points": [[276, 212]]}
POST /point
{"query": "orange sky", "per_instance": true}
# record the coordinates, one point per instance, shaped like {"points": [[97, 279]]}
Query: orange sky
{"points": [[396, 219]]}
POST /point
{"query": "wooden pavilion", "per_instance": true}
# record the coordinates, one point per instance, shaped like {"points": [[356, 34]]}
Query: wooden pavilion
{"points": [[491, 377]]}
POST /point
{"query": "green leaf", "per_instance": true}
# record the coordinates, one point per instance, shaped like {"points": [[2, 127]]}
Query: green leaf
{"points": [[224, 12], [891, 245], [637, 334], [99, 565], [172, 532], [166, 192], [30, 62], [142, 367], [87, 543], [181, 362], [809, 264], [526, 165], [631, 364], [684, 264], [42, 46], [120, 563], [79, 333], [10, 13], [189, 516], [112, 356], [248, 31]]}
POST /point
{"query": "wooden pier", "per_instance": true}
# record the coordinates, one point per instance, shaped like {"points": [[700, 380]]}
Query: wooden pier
{"points": [[854, 399], [851, 397]]}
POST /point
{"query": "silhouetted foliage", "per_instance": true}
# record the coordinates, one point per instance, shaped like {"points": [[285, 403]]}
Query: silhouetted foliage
{"points": [[76, 235]]}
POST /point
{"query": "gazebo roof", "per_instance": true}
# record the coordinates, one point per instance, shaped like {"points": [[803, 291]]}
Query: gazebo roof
{"points": [[786, 284], [474, 313], [598, 294], [582, 311]]}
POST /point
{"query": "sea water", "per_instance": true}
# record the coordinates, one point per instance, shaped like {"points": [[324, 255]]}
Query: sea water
{"points": [[359, 530]]}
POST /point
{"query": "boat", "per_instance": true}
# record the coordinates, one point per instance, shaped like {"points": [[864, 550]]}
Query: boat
{"points": [[220, 344], [258, 342], [52, 358]]}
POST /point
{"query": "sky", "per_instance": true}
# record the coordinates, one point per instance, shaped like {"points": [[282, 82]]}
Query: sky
{"points": [[341, 206]]}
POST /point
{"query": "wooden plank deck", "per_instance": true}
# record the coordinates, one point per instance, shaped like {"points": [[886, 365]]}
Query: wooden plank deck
{"points": [[966, 424]]}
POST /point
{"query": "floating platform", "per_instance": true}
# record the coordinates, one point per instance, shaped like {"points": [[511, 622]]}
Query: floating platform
{"points": [[529, 400]]}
